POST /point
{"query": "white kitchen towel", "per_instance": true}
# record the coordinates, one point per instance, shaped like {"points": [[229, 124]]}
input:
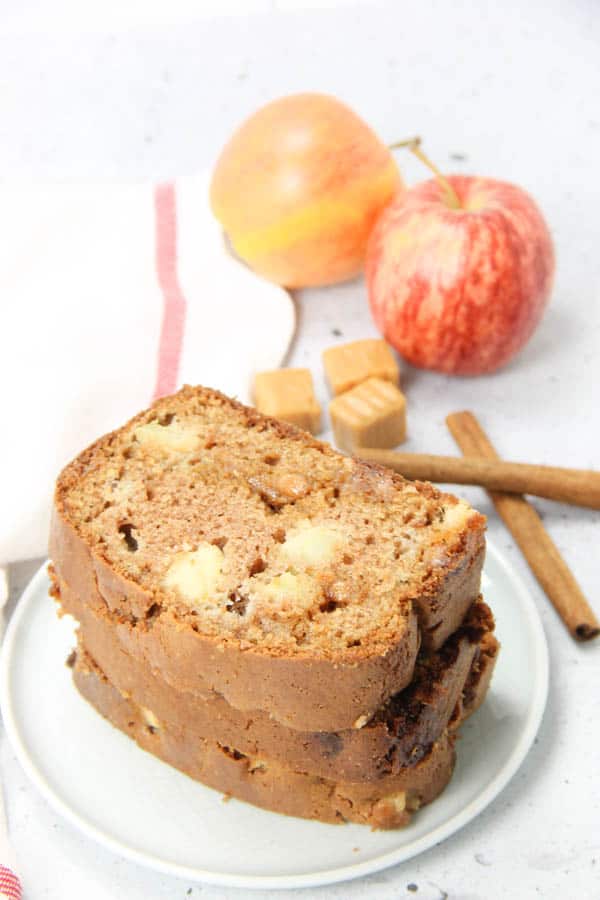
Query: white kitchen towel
{"points": [[112, 294]]}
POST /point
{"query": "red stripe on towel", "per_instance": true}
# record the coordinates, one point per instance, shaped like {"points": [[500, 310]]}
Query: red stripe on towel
{"points": [[174, 304], [10, 886]]}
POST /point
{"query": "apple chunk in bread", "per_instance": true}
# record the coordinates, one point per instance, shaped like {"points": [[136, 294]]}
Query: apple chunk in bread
{"points": [[311, 545], [169, 438], [195, 574]]}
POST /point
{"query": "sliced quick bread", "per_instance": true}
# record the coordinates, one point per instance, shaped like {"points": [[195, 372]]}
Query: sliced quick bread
{"points": [[238, 552]]}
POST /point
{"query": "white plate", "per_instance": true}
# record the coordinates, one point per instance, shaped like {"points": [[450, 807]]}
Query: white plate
{"points": [[140, 808]]}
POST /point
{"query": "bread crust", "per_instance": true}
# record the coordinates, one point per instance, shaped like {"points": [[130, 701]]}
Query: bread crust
{"points": [[386, 803]]}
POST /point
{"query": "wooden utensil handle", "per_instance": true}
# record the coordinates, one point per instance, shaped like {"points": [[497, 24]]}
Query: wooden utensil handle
{"points": [[577, 486]]}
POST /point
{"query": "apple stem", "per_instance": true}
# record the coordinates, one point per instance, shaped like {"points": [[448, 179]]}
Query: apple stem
{"points": [[414, 145]]}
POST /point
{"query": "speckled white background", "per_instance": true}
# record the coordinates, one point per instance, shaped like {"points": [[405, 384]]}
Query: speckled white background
{"points": [[135, 90]]}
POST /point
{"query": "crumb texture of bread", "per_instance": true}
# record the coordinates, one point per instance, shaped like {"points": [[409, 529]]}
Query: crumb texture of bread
{"points": [[235, 548], [230, 518], [387, 803]]}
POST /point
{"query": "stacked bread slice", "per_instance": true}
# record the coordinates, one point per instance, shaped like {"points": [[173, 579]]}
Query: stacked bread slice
{"points": [[290, 626]]}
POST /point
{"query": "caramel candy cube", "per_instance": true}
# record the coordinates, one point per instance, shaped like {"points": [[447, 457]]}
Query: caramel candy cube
{"points": [[350, 364], [288, 394], [373, 414]]}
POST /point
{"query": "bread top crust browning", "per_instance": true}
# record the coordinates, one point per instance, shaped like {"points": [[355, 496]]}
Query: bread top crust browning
{"points": [[254, 534]]}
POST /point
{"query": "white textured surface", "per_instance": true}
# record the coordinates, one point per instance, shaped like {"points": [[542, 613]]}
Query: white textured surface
{"points": [[515, 88]]}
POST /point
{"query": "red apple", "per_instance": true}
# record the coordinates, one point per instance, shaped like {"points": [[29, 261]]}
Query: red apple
{"points": [[458, 277]]}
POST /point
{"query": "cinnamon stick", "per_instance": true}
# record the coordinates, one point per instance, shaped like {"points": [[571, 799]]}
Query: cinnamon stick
{"points": [[578, 486], [526, 527]]}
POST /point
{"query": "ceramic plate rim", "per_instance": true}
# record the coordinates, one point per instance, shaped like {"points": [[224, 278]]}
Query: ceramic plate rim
{"points": [[540, 662]]}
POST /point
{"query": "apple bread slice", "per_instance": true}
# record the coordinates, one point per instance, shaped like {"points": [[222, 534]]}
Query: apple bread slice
{"points": [[240, 551]]}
